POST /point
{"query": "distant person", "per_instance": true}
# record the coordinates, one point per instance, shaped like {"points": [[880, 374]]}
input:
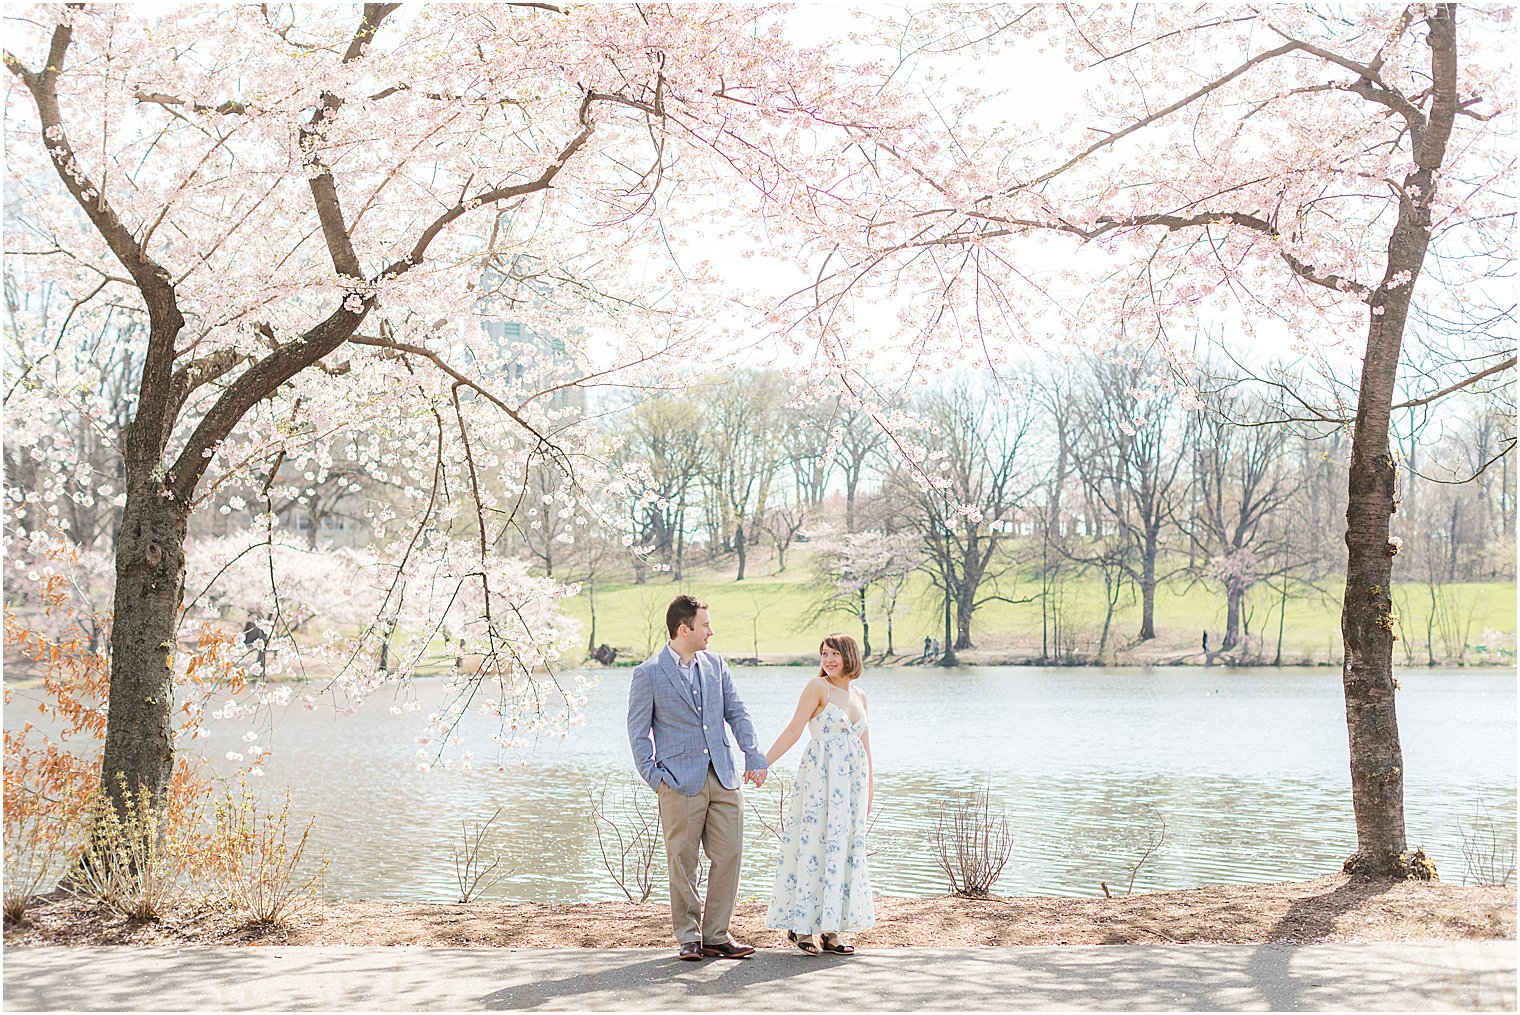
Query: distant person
{"points": [[822, 886], [678, 702], [1205, 642], [936, 648], [928, 644]]}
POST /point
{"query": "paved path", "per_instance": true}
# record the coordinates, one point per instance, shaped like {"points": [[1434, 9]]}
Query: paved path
{"points": [[1409, 976]]}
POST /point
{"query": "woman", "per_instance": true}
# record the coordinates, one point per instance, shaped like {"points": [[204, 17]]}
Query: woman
{"points": [[822, 887]]}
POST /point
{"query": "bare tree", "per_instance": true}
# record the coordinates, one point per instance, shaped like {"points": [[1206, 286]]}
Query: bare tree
{"points": [[1241, 480], [666, 436], [963, 495], [862, 440], [1129, 458], [745, 430]]}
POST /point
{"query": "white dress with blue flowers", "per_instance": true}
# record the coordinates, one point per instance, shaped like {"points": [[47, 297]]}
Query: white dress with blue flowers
{"points": [[822, 884]]}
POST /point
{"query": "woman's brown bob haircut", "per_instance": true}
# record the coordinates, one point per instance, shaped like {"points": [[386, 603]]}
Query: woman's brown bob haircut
{"points": [[846, 647]]}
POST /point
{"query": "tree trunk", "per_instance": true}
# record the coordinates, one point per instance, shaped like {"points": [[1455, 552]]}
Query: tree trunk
{"points": [[1111, 584], [962, 628], [1282, 614], [1453, 544], [591, 598], [1232, 597], [739, 549], [1367, 621], [680, 574], [947, 656], [865, 629], [1148, 586], [150, 585]]}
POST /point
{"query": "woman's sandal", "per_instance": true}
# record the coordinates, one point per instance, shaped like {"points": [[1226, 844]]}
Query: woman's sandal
{"points": [[805, 942], [838, 947]]}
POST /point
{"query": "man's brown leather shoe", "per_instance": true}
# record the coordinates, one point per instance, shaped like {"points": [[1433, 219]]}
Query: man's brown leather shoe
{"points": [[729, 949], [691, 951]]}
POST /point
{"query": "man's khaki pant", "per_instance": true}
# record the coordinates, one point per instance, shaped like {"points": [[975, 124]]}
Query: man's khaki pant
{"points": [[713, 819]]}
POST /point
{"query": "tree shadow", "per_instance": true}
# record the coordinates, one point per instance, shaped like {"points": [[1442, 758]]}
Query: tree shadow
{"points": [[1307, 920]]}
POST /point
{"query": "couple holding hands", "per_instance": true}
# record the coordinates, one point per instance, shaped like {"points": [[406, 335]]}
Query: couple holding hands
{"points": [[679, 702]]}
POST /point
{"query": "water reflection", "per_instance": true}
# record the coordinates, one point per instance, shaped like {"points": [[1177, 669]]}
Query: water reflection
{"points": [[1247, 770]]}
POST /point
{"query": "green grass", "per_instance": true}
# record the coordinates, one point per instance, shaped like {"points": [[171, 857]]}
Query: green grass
{"points": [[768, 615]]}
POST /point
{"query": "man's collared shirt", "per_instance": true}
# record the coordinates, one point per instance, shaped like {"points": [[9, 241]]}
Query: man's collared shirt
{"points": [[690, 672]]}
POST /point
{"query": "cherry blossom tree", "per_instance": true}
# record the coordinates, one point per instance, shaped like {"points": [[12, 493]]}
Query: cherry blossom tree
{"points": [[1332, 179], [852, 566], [307, 211]]}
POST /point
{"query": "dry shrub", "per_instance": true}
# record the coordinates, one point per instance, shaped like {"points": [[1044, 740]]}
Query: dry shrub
{"points": [[253, 865], [136, 860], [471, 871], [37, 850], [1487, 856], [973, 844], [628, 839]]}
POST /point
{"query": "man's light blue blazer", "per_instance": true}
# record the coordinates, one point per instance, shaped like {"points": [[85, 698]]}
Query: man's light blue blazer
{"points": [[672, 742]]}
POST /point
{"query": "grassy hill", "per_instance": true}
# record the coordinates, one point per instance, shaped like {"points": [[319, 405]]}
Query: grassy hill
{"points": [[769, 616]]}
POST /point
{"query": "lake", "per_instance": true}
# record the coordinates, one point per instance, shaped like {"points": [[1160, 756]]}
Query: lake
{"points": [[1247, 769]]}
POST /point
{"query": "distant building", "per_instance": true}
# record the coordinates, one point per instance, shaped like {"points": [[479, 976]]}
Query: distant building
{"points": [[550, 347]]}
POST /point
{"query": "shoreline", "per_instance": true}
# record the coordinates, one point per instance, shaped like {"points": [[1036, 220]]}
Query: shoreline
{"points": [[26, 681], [1334, 907]]}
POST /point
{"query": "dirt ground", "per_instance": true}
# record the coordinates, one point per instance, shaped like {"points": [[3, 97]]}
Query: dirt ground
{"points": [[1331, 908]]}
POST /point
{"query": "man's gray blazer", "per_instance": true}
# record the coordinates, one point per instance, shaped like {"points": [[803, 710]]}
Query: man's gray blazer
{"points": [[672, 741]]}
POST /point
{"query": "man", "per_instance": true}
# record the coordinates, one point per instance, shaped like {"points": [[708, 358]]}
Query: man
{"points": [[678, 702]]}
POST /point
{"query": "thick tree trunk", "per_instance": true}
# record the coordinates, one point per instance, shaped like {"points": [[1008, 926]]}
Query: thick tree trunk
{"points": [[1232, 598], [1367, 620], [962, 629], [150, 583], [739, 549], [1377, 765]]}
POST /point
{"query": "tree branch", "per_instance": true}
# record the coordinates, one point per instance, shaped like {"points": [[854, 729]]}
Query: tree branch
{"points": [[197, 372], [145, 436], [498, 194], [1467, 382], [255, 384], [324, 190]]}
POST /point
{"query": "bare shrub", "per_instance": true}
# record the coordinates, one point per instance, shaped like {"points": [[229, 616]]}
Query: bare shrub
{"points": [[473, 875], [37, 850], [628, 838], [772, 822], [253, 863], [1153, 843], [1488, 858], [136, 862], [973, 844]]}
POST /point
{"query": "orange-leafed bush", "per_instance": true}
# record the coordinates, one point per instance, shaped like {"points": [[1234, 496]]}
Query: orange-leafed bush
{"points": [[53, 759]]}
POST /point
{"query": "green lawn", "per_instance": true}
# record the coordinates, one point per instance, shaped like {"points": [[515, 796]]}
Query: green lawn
{"points": [[768, 615]]}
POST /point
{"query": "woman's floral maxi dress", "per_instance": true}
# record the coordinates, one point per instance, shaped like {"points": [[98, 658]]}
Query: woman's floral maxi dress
{"points": [[821, 880]]}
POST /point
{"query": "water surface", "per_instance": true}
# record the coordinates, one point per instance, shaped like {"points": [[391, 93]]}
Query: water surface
{"points": [[1247, 769]]}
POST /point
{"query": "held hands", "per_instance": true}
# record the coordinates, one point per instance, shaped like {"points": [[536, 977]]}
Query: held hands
{"points": [[756, 776]]}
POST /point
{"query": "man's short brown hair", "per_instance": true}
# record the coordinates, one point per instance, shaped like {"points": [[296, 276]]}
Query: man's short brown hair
{"points": [[682, 610]]}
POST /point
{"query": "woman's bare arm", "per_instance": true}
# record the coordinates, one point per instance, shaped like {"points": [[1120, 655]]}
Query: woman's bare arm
{"points": [[812, 700]]}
